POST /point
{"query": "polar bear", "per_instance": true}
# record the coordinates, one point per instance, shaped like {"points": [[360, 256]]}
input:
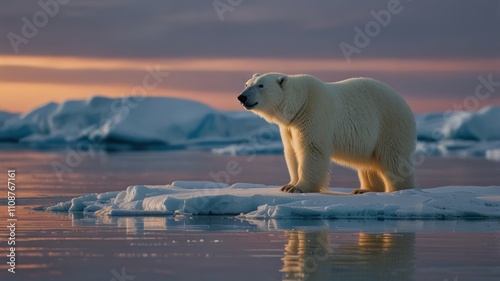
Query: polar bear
{"points": [[361, 123]]}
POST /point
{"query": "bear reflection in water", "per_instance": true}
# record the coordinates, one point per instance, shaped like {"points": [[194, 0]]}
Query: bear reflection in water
{"points": [[315, 256]]}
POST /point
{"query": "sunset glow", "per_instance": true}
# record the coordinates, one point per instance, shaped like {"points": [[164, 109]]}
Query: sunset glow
{"points": [[246, 64], [27, 82]]}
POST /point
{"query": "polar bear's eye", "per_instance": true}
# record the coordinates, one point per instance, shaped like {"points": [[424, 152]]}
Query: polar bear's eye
{"points": [[261, 86]]}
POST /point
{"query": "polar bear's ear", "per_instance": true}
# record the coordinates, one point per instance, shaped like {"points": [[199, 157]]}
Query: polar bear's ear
{"points": [[256, 75], [281, 80]]}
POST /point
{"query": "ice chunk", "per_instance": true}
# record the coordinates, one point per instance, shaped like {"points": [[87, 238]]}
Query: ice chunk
{"points": [[255, 201], [199, 184], [248, 185], [493, 154]]}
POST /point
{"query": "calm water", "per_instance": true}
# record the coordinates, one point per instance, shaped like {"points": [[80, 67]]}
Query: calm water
{"points": [[81, 247]]}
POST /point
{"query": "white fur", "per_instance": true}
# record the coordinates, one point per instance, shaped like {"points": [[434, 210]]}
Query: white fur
{"points": [[361, 123]]}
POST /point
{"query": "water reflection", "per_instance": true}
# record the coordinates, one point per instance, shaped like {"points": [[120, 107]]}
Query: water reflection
{"points": [[137, 225], [314, 255], [320, 250]]}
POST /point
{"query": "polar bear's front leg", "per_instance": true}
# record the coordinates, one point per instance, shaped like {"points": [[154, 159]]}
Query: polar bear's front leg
{"points": [[313, 167], [290, 158]]}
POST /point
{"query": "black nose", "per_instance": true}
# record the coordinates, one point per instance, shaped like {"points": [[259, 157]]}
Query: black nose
{"points": [[242, 98]]}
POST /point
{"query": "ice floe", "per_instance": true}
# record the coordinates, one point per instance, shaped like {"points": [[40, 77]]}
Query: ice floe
{"points": [[256, 201]]}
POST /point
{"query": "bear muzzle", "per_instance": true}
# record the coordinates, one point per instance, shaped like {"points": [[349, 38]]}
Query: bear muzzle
{"points": [[246, 102], [242, 98]]}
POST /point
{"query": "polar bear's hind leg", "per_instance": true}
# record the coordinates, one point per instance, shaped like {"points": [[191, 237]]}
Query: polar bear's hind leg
{"points": [[398, 173], [371, 180]]}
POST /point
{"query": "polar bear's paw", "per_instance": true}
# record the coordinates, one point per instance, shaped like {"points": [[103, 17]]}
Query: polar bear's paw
{"points": [[291, 189], [359, 191]]}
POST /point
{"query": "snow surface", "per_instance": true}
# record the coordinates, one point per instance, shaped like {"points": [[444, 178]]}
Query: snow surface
{"points": [[255, 201], [152, 122]]}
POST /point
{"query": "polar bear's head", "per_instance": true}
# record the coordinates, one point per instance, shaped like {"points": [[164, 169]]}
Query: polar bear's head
{"points": [[266, 95]]}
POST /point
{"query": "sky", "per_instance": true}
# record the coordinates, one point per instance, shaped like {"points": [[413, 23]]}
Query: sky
{"points": [[436, 54]]}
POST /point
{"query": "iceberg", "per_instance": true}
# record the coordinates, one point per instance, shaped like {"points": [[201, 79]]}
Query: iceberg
{"points": [[134, 121], [460, 133], [479, 125], [256, 201], [166, 123], [5, 115]]}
